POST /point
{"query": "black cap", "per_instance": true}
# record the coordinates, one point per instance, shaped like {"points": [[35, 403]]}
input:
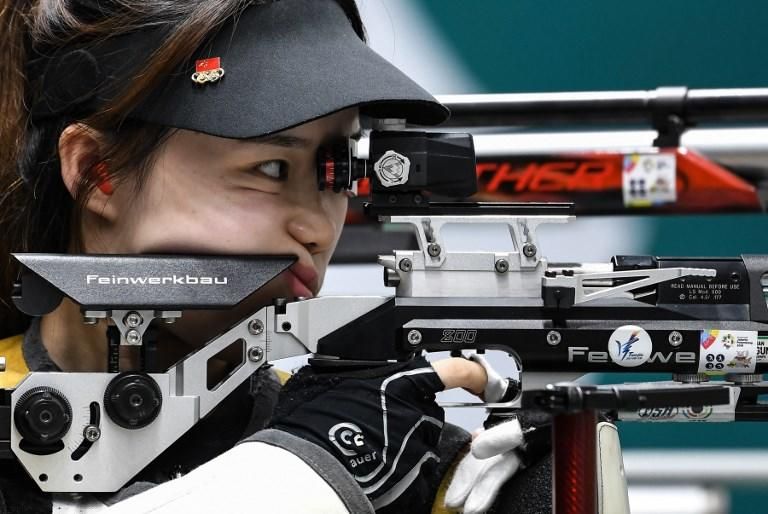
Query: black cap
{"points": [[279, 65]]}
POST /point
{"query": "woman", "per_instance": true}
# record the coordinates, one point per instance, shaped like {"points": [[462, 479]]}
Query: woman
{"points": [[145, 126]]}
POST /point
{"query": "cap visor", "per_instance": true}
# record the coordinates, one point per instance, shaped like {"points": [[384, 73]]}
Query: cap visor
{"points": [[287, 63]]}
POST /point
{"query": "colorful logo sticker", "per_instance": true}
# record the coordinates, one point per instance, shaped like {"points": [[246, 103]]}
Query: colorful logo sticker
{"points": [[740, 361], [708, 338], [728, 351], [630, 346], [649, 179]]}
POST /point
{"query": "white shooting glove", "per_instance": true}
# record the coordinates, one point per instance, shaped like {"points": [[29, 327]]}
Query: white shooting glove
{"points": [[492, 458]]}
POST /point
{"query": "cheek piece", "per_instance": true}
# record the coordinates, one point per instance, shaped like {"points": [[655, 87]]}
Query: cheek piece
{"points": [[100, 172]]}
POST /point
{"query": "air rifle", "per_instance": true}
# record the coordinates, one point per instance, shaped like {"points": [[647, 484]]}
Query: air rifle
{"points": [[687, 316]]}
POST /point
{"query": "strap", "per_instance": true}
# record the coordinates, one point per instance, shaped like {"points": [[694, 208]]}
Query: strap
{"points": [[439, 507], [283, 376]]}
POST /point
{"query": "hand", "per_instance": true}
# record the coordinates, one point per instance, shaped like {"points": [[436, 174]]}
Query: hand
{"points": [[382, 424], [495, 454], [489, 464]]}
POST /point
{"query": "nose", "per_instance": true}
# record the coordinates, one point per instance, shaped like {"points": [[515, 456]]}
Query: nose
{"points": [[313, 227]]}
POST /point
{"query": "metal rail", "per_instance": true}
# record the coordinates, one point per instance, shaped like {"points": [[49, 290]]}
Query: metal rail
{"points": [[693, 106]]}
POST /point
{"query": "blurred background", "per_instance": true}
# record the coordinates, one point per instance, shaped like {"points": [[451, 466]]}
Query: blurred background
{"points": [[508, 46]]}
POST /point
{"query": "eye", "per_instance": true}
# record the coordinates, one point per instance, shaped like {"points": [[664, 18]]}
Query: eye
{"points": [[273, 169]]}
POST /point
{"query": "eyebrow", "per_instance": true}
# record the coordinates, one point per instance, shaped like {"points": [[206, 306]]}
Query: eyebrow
{"points": [[288, 141], [281, 140]]}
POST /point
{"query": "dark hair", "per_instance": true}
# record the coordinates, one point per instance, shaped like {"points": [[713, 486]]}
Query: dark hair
{"points": [[41, 215]]}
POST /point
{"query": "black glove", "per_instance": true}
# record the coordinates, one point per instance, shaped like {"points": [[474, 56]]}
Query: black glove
{"points": [[382, 424]]}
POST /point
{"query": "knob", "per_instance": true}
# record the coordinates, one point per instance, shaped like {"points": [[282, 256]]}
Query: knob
{"points": [[133, 400], [391, 278], [42, 416]]}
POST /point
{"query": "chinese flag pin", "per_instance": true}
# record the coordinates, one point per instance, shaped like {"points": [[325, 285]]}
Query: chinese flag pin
{"points": [[207, 70]]}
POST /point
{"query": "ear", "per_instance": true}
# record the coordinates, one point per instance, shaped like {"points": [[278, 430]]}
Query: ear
{"points": [[79, 152]]}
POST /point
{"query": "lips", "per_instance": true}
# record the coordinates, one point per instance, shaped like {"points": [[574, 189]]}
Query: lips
{"points": [[302, 280]]}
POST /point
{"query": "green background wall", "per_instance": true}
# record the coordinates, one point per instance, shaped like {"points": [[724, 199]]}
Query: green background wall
{"points": [[556, 45]]}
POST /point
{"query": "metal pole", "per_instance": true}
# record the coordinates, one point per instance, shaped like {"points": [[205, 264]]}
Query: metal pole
{"points": [[693, 106]]}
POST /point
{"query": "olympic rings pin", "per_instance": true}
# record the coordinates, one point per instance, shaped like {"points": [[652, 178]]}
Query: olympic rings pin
{"points": [[207, 70]]}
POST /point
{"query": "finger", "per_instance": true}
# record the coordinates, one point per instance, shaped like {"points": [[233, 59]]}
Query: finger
{"points": [[489, 483], [495, 386], [460, 372], [464, 478], [497, 440]]}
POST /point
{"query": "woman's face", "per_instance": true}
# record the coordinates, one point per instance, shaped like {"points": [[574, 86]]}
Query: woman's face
{"points": [[206, 194]]}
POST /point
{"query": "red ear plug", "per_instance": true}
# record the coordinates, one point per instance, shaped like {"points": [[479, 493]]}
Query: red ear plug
{"points": [[101, 174]]}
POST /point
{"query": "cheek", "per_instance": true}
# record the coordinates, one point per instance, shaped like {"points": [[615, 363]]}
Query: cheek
{"points": [[202, 215], [336, 206]]}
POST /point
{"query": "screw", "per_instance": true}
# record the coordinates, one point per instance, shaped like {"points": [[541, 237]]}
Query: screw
{"points": [[88, 320], [675, 338], [414, 337], [255, 354], [133, 336], [554, 337], [91, 433], [434, 249], [406, 265], [502, 266], [255, 327], [133, 319], [529, 250]]}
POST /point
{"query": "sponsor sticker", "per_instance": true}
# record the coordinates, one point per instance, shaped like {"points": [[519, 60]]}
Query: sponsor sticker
{"points": [[630, 346], [728, 351], [649, 179], [708, 413], [762, 350], [657, 413]]}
